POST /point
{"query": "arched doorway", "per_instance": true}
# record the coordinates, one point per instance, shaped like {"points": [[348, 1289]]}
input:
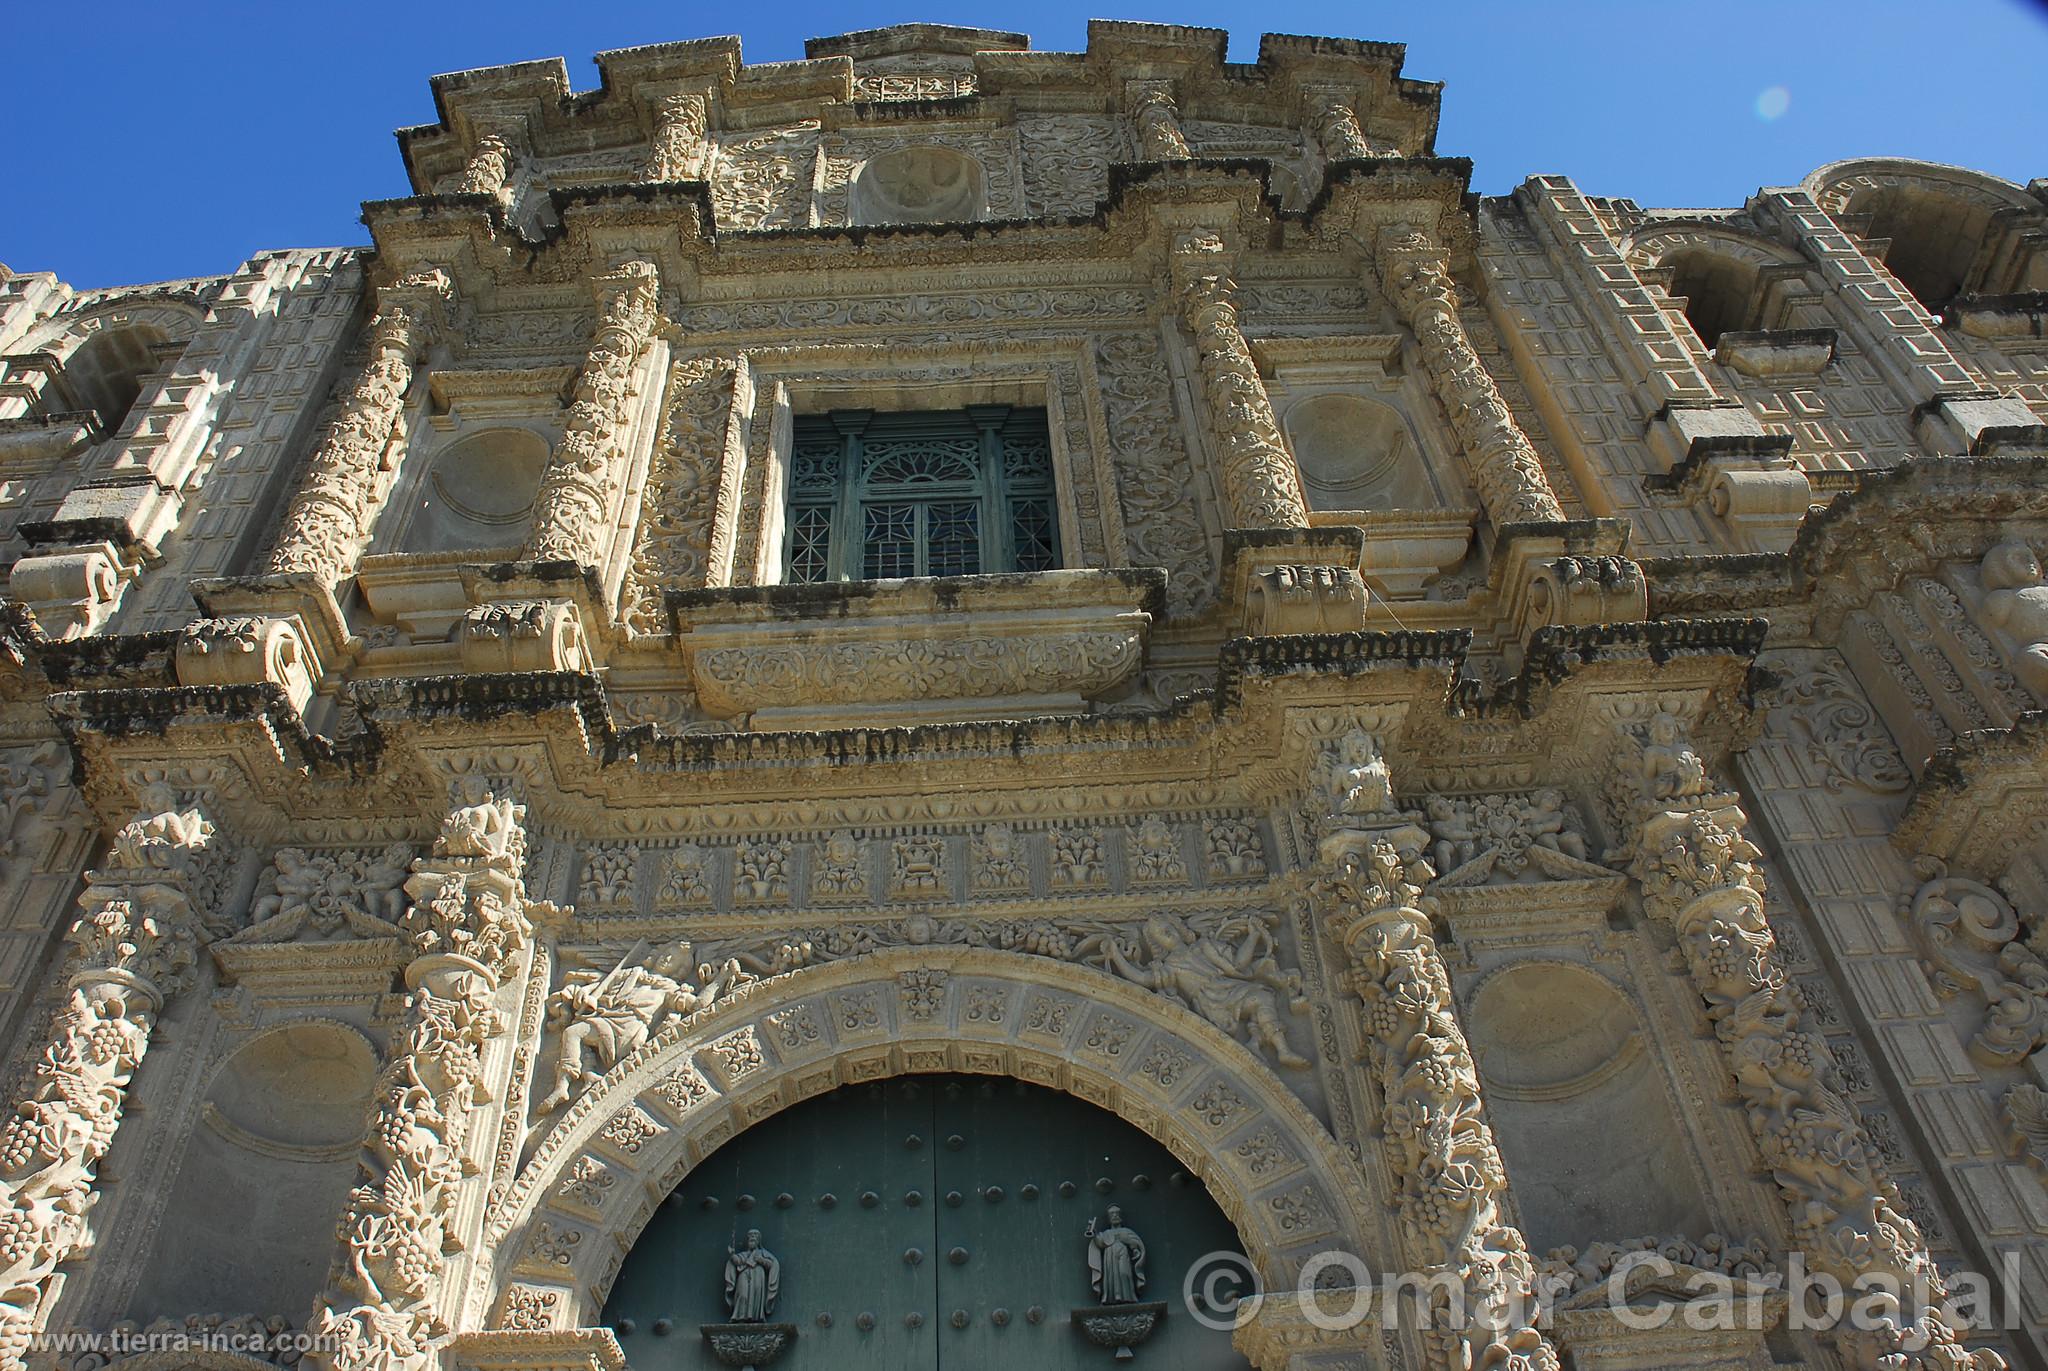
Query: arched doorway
{"points": [[925, 1221]]}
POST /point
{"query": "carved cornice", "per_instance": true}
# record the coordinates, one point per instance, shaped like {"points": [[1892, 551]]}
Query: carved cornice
{"points": [[1981, 799]]}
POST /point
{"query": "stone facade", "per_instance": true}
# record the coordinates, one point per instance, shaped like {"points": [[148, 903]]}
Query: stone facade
{"points": [[1532, 748]]}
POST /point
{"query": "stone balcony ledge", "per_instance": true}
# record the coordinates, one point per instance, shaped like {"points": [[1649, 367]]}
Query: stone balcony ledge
{"points": [[923, 650]]}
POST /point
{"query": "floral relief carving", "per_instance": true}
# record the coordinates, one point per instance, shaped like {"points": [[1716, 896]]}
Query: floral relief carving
{"points": [[917, 867], [1154, 475], [608, 873], [351, 472], [1232, 849], [304, 896], [1155, 853], [999, 860], [686, 876], [678, 505], [839, 868], [764, 178], [761, 870], [1844, 736], [1076, 856], [529, 1308], [1498, 839], [1449, 1175], [1066, 161], [1505, 468], [589, 1182]]}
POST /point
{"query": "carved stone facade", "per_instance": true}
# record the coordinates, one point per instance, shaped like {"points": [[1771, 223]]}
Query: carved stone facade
{"points": [[1520, 755]]}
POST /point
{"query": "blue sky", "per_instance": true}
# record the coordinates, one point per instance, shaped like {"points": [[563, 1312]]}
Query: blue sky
{"points": [[154, 141]]}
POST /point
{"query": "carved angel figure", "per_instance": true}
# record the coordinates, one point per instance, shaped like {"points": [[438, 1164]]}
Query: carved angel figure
{"points": [[1364, 784], [484, 825], [1232, 987], [1671, 769], [2016, 604], [612, 1014]]}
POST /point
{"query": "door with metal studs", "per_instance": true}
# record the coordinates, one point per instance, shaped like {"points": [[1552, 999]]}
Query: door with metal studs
{"points": [[925, 1222]]}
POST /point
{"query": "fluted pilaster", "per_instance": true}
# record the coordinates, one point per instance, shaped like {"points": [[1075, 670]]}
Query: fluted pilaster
{"points": [[135, 946], [1414, 269], [572, 513], [349, 476], [1261, 486]]}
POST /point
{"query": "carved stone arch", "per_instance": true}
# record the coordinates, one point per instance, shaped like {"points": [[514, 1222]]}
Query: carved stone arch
{"points": [[1945, 230], [1722, 273], [65, 333], [581, 1202]]}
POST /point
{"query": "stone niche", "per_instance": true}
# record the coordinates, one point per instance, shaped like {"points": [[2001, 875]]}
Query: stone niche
{"points": [[1580, 1106], [921, 184], [267, 1166]]}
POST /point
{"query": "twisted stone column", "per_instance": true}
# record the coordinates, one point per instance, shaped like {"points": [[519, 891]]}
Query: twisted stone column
{"points": [[1261, 486], [489, 169], [468, 927], [1414, 270], [1368, 893], [679, 148], [572, 513], [135, 945], [1336, 128], [1700, 876], [1159, 135], [328, 522]]}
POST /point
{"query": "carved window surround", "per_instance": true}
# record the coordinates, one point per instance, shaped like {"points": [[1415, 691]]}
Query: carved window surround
{"points": [[1054, 373]]}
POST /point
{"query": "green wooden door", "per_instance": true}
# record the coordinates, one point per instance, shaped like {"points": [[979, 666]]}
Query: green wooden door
{"points": [[927, 1221]]}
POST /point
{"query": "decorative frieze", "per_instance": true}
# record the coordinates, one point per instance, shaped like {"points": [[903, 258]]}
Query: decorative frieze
{"points": [[572, 515]]}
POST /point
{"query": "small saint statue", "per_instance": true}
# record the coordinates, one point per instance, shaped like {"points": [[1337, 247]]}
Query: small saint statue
{"points": [[1116, 1260], [753, 1278]]}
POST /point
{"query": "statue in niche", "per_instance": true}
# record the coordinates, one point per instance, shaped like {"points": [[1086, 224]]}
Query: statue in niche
{"points": [[1671, 769], [1233, 987], [753, 1280], [1364, 783], [1116, 1260], [2016, 604], [612, 1014]]}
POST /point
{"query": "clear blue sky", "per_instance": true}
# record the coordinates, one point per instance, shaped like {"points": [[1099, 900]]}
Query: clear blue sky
{"points": [[152, 141]]}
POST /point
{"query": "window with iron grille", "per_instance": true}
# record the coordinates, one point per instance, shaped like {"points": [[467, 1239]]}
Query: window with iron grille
{"points": [[956, 493]]}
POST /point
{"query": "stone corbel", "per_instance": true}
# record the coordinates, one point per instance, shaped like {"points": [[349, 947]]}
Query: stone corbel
{"points": [[71, 592], [523, 635], [246, 650], [1724, 458], [1578, 574], [525, 1344], [1306, 599]]}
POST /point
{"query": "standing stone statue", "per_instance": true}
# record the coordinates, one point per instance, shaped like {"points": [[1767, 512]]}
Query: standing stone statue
{"points": [[753, 1278], [1116, 1260]]}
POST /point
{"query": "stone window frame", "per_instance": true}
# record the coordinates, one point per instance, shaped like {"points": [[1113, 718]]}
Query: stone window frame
{"points": [[1056, 374]]}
